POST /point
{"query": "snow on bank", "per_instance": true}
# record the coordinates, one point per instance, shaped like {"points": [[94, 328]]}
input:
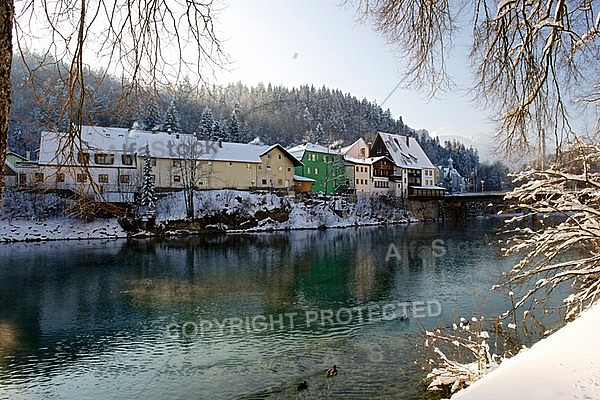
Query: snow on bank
{"points": [[565, 365], [266, 212], [16, 230], [309, 214]]}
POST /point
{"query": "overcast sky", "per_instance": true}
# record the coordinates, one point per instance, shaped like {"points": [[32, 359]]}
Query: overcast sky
{"points": [[295, 42]]}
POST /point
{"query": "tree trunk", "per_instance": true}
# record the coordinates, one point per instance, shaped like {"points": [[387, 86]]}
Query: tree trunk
{"points": [[6, 23]]}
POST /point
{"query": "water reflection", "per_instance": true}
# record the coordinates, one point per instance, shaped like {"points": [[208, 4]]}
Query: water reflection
{"points": [[75, 316]]}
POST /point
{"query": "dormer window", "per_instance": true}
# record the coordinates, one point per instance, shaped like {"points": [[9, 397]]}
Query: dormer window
{"points": [[104, 159]]}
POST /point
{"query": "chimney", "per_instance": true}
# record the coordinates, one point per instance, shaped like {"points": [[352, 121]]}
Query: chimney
{"points": [[407, 142]]}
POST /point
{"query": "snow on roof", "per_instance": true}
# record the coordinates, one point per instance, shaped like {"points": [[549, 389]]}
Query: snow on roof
{"points": [[303, 179], [160, 145], [403, 155], [356, 160], [299, 150], [428, 187], [372, 160]]}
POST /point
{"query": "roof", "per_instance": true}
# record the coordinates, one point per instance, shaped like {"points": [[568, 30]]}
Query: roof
{"points": [[428, 187], [160, 145], [9, 170], [355, 160], [303, 179], [373, 160], [299, 150], [409, 155]]}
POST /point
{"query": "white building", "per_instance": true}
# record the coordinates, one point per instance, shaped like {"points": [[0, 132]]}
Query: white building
{"points": [[414, 174]]}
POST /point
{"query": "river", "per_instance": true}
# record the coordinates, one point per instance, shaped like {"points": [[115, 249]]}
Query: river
{"points": [[239, 316]]}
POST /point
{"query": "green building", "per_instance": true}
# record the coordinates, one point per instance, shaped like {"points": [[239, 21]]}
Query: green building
{"points": [[322, 164]]}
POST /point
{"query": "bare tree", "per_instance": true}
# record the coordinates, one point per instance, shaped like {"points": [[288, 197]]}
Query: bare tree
{"points": [[192, 152], [531, 58], [6, 20], [563, 246], [147, 43]]}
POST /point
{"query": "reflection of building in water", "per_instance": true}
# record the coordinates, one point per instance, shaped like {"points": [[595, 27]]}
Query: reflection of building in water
{"points": [[364, 274], [9, 340]]}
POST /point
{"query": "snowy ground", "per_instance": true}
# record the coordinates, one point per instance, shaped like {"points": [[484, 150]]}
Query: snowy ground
{"points": [[266, 209], [565, 365], [302, 215], [59, 229]]}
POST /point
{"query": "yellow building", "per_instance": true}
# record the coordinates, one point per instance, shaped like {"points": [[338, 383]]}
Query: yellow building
{"points": [[110, 161], [245, 166]]}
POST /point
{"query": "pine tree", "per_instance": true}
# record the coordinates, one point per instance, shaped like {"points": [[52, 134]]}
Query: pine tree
{"points": [[233, 129], [218, 131], [153, 117], [148, 195], [172, 120], [207, 124]]}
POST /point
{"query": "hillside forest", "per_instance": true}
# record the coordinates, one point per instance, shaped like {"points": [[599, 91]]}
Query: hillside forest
{"points": [[235, 112]]}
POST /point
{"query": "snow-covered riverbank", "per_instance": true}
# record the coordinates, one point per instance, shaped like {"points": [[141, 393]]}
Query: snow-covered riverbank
{"points": [[563, 366], [17, 230], [224, 210]]}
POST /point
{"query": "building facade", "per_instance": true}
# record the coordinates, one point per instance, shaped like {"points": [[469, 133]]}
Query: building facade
{"points": [[324, 165]]}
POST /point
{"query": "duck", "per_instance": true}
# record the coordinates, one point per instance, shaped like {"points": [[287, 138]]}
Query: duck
{"points": [[303, 386], [331, 372]]}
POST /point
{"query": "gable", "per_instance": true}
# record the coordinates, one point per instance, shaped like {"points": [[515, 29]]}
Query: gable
{"points": [[405, 151]]}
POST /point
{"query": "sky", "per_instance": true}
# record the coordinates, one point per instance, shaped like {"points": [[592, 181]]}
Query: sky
{"points": [[318, 42]]}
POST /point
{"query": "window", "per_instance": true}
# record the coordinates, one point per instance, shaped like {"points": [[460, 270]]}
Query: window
{"points": [[177, 163], [357, 181], [280, 168], [153, 178], [83, 158], [81, 178], [60, 177], [230, 164], [289, 169], [248, 167], [104, 159], [260, 167], [268, 167], [38, 177], [124, 179], [127, 159], [264, 181], [153, 161], [176, 178], [280, 182], [316, 171], [279, 156], [103, 178], [307, 170], [268, 156]]}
